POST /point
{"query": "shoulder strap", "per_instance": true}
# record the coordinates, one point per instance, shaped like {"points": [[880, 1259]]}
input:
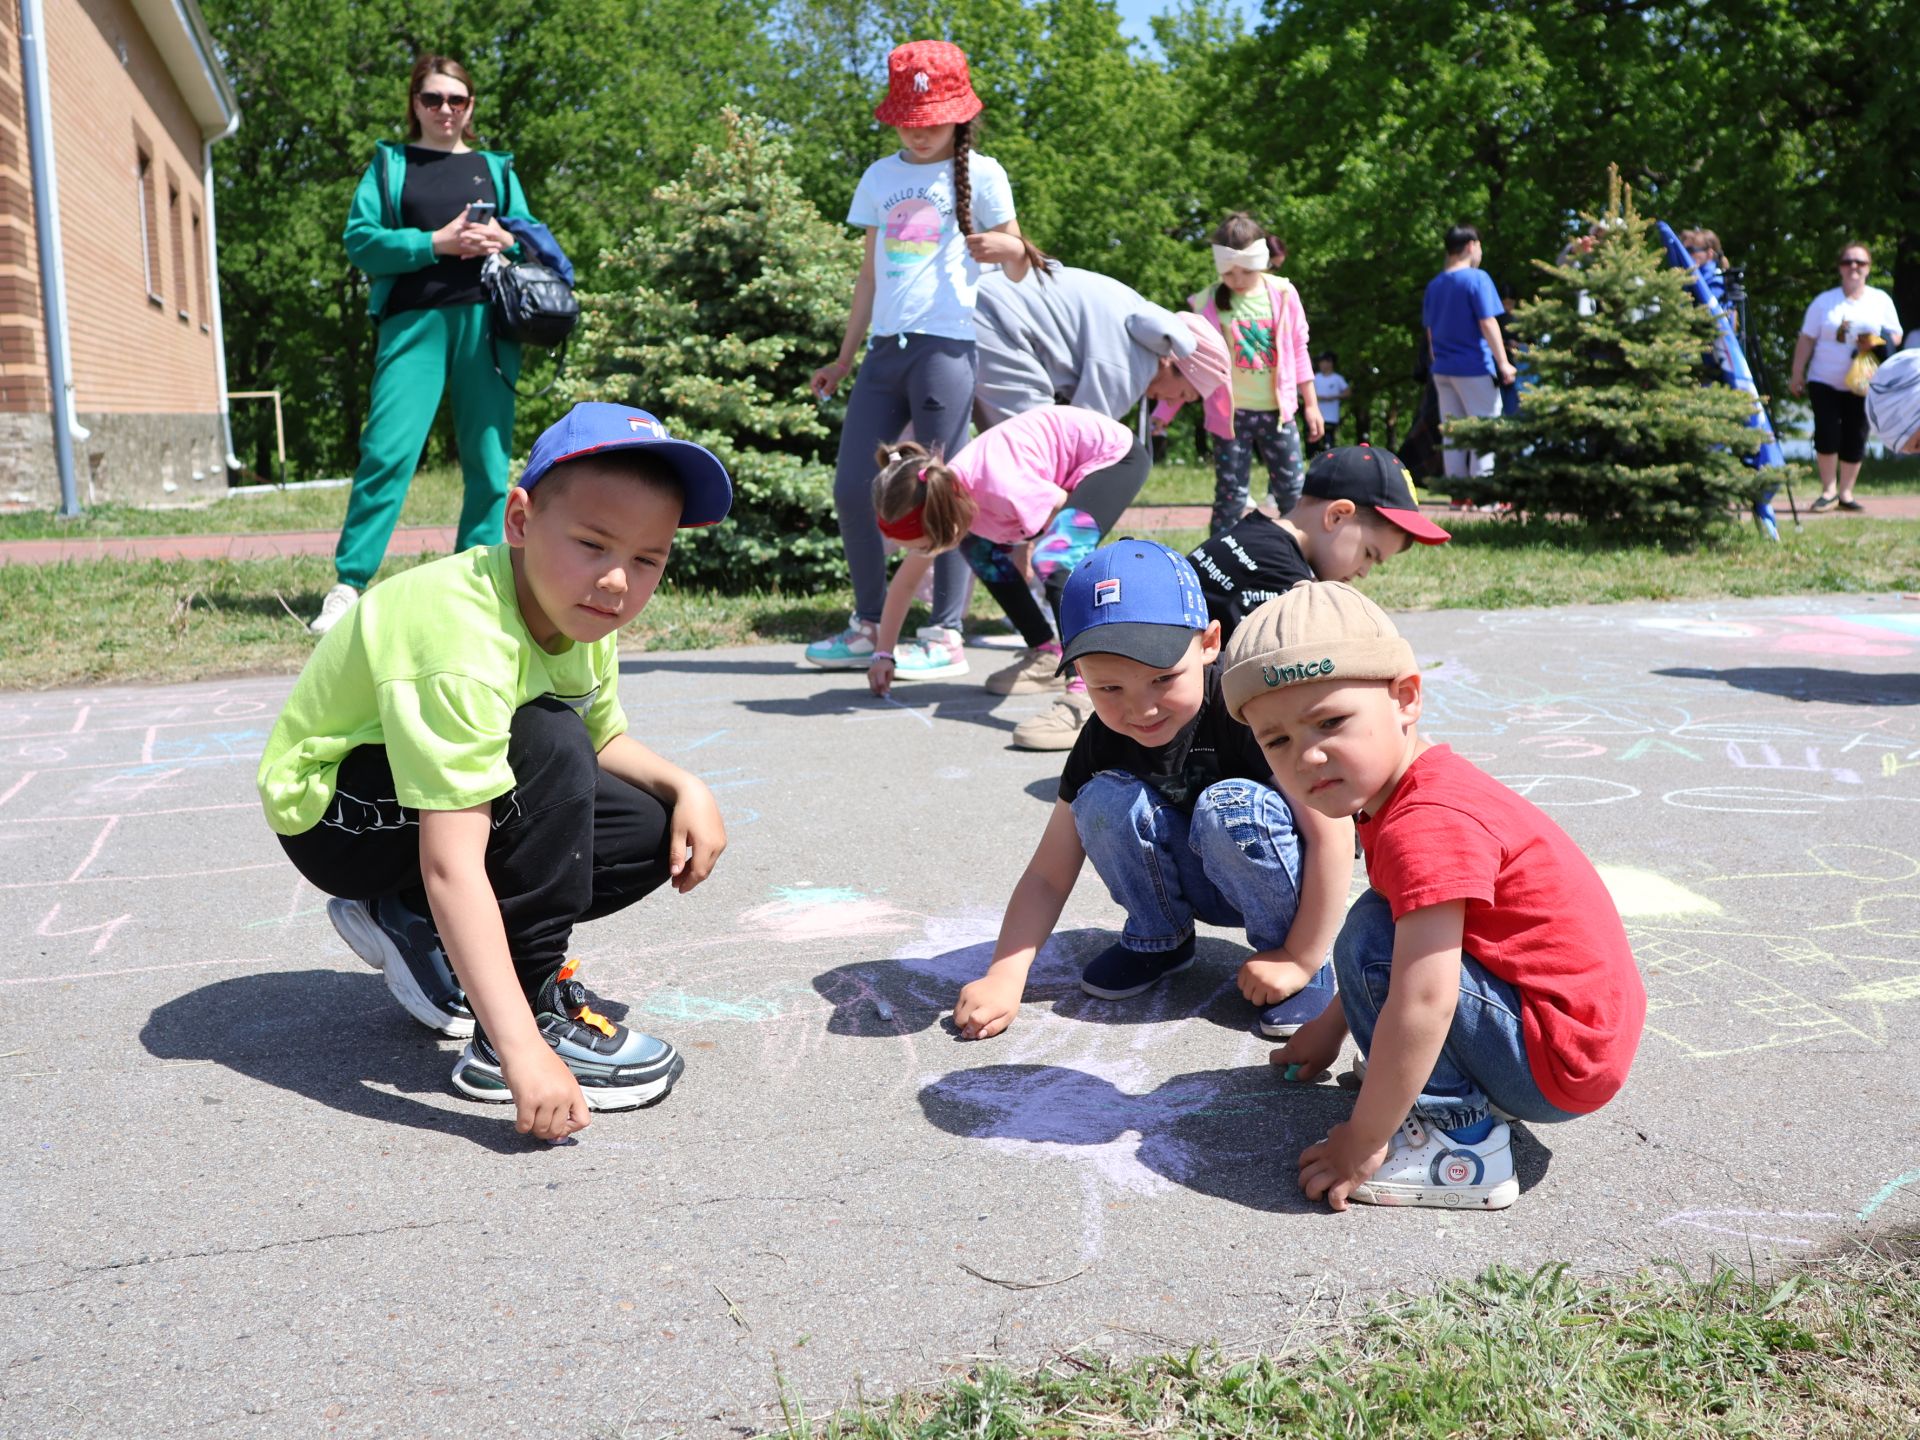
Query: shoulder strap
{"points": [[386, 195]]}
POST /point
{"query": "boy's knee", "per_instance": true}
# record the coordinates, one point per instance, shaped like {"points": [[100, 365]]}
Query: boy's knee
{"points": [[549, 749], [1110, 802], [1365, 937], [1241, 815]]}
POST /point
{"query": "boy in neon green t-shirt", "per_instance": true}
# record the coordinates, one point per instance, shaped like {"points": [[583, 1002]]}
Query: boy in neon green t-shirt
{"points": [[454, 767]]}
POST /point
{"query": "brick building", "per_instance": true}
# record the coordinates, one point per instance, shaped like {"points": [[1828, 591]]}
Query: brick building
{"points": [[134, 96]]}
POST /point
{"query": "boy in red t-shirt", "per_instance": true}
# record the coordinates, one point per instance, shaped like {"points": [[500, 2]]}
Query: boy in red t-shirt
{"points": [[1486, 975]]}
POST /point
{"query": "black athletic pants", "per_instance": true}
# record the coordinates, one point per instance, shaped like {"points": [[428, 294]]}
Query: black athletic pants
{"points": [[570, 842]]}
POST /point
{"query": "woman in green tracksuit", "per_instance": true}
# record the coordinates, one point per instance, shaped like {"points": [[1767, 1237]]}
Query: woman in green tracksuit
{"points": [[409, 231]]}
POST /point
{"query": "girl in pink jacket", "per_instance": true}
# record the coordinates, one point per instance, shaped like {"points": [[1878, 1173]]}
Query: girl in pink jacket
{"points": [[1260, 316]]}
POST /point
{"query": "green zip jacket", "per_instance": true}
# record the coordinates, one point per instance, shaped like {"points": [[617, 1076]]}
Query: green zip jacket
{"points": [[384, 251]]}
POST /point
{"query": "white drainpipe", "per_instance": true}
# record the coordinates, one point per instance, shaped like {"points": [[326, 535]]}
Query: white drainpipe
{"points": [[213, 264], [53, 271]]}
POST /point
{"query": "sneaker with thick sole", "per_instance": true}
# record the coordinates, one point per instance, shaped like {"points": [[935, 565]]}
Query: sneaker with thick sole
{"points": [[402, 944], [851, 649], [1058, 727], [333, 606], [1118, 973], [1034, 672], [1426, 1166], [935, 653], [1280, 1020], [618, 1068]]}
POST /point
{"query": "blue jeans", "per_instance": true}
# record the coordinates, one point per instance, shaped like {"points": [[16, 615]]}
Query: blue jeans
{"points": [[1484, 1061], [1235, 861]]}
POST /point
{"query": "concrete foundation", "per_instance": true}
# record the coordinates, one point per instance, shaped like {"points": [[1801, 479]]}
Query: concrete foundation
{"points": [[129, 459]]}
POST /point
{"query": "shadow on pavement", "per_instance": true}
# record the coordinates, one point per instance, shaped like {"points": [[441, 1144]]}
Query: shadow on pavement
{"points": [[1805, 683], [1234, 1134], [351, 1048], [918, 992]]}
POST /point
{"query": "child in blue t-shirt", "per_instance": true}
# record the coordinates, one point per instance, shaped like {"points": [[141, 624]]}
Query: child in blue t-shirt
{"points": [[1461, 314], [453, 766]]}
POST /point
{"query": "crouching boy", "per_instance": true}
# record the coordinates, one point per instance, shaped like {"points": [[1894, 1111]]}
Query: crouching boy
{"points": [[1486, 975], [454, 767], [1174, 804]]}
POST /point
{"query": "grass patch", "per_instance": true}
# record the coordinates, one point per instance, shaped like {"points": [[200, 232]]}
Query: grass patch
{"points": [[104, 621], [1828, 1350]]}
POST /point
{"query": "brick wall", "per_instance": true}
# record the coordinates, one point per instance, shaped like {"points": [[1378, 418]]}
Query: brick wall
{"points": [[141, 342], [23, 359]]}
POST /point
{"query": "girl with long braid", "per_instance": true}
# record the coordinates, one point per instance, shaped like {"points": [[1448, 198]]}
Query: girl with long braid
{"points": [[933, 214]]}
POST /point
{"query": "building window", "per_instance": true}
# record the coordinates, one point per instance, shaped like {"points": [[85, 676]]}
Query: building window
{"points": [[175, 239], [149, 226], [200, 269]]}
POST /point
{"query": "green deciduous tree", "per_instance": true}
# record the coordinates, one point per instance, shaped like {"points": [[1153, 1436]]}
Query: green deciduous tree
{"points": [[714, 323], [1620, 425]]}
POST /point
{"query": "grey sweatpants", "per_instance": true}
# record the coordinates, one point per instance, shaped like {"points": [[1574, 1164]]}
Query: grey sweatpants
{"points": [[928, 383], [1467, 397]]}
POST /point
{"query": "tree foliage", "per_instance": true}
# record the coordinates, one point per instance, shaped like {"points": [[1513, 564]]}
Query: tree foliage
{"points": [[714, 323], [1620, 425]]}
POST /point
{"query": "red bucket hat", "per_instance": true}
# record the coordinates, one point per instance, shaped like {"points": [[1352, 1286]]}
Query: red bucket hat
{"points": [[927, 84]]}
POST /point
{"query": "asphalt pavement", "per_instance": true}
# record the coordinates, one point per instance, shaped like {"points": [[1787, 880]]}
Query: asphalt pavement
{"points": [[240, 1197]]}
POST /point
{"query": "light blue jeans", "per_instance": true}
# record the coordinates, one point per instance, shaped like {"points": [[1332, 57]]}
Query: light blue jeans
{"points": [[1484, 1061], [1235, 861]]}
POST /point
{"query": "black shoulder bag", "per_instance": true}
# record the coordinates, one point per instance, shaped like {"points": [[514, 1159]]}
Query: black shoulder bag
{"points": [[528, 303]]}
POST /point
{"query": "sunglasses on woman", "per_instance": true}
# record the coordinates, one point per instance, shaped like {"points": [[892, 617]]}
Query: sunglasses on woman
{"points": [[433, 100], [1851, 264]]}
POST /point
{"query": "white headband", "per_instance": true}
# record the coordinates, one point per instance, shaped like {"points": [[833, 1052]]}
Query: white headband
{"points": [[1254, 257]]}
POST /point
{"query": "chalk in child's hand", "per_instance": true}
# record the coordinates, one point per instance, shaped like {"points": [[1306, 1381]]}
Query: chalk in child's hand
{"points": [[1293, 1073]]}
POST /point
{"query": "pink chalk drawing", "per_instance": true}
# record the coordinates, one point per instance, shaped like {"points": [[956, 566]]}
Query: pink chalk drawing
{"points": [[1767, 1226], [806, 914]]}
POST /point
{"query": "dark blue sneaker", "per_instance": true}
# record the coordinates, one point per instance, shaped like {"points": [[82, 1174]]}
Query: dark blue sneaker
{"points": [[618, 1068], [1118, 973], [402, 944], [1281, 1020]]}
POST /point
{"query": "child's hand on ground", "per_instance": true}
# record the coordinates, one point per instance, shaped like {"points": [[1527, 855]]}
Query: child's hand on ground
{"points": [[699, 835], [1271, 976], [1310, 1051], [986, 1007], [547, 1102], [880, 677], [1335, 1167]]}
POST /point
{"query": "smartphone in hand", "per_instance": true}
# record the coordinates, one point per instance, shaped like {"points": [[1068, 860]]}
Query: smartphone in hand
{"points": [[480, 212]]}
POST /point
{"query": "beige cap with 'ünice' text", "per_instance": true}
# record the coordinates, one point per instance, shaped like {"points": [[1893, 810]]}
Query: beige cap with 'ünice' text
{"points": [[1322, 630]]}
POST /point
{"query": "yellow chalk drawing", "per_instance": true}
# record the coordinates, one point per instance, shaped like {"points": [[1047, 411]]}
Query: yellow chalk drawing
{"points": [[1897, 991], [1641, 894]]}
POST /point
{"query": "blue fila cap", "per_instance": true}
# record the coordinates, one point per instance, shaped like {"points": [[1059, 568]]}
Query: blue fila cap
{"points": [[594, 427], [1133, 598]]}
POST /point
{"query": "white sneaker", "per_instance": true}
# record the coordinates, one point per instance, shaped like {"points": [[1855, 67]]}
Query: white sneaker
{"points": [[339, 600], [851, 649], [1425, 1166], [1034, 672], [1057, 728], [937, 652]]}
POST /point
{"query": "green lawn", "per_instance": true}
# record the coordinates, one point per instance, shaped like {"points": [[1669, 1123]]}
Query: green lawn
{"points": [[1828, 1351]]}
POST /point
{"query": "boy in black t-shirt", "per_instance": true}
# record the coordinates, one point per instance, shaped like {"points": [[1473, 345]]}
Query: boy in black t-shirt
{"points": [[1357, 511], [1174, 804]]}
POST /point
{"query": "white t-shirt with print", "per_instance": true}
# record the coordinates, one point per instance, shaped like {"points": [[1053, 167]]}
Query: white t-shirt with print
{"points": [[924, 280], [1872, 310], [1326, 387]]}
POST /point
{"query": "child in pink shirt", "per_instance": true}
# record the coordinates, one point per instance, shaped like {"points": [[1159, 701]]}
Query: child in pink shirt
{"points": [[1058, 476]]}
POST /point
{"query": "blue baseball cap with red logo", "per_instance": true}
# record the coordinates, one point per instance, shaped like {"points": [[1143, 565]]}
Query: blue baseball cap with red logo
{"points": [[1133, 598], [594, 427]]}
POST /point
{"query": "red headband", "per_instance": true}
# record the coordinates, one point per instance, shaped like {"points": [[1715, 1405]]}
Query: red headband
{"points": [[910, 526]]}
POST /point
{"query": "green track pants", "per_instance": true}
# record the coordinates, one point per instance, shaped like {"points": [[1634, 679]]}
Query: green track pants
{"points": [[421, 354]]}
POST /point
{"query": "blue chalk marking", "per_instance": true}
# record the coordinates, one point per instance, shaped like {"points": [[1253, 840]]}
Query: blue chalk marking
{"points": [[1888, 1191], [817, 894], [679, 1005]]}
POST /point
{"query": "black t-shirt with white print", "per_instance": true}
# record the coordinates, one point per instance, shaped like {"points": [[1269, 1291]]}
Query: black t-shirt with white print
{"points": [[1244, 567], [1211, 746]]}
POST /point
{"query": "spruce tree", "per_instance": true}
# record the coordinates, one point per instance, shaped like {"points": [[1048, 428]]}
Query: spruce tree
{"points": [[714, 320], [1620, 424]]}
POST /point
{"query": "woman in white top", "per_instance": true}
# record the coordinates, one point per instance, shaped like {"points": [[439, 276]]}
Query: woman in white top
{"points": [[1829, 339]]}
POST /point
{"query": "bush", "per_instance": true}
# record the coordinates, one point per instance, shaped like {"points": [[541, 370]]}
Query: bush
{"points": [[725, 312], [1620, 425]]}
